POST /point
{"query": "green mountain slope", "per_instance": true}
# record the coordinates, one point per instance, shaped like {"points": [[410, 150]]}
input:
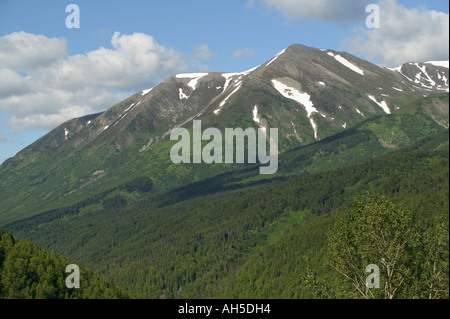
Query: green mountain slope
{"points": [[27, 272], [359, 143], [103, 191], [372, 137], [415, 121], [131, 139], [213, 245]]}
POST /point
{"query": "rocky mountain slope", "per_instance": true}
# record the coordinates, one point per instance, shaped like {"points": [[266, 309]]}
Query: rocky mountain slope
{"points": [[308, 94]]}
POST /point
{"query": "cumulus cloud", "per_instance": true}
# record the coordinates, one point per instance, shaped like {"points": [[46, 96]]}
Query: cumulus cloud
{"points": [[135, 60], [404, 35], [12, 83], [341, 11], [41, 87], [25, 52], [243, 53]]}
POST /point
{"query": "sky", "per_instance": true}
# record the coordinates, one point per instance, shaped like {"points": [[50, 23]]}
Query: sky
{"points": [[50, 73]]}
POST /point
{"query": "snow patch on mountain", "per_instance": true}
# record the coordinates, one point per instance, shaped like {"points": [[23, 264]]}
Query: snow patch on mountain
{"points": [[250, 70], [293, 94], [423, 68], [276, 56], [190, 75], [444, 64], [238, 86], [194, 76], [418, 77], [255, 115], [129, 108], [382, 104], [120, 119], [303, 98], [144, 92], [409, 79], [425, 74], [228, 97], [229, 77], [346, 63], [182, 95], [397, 69], [360, 113]]}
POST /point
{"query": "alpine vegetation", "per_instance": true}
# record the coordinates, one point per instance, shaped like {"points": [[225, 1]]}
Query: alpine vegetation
{"points": [[212, 152]]}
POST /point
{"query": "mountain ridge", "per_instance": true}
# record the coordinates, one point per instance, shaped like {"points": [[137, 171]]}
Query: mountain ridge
{"points": [[102, 189], [228, 81], [307, 93]]}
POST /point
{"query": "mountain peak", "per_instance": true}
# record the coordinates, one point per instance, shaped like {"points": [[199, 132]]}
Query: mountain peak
{"points": [[431, 76], [444, 64], [309, 94]]}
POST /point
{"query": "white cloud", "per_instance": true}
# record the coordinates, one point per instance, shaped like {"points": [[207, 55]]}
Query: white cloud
{"points": [[3, 138], [243, 53], [24, 52], [135, 60], [341, 11], [203, 52], [12, 82], [404, 35], [41, 88]]}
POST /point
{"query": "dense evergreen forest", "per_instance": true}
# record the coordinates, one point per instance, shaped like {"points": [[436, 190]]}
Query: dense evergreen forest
{"points": [[267, 239], [27, 272]]}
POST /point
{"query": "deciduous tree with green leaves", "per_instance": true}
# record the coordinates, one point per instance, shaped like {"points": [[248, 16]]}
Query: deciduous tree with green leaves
{"points": [[412, 259]]}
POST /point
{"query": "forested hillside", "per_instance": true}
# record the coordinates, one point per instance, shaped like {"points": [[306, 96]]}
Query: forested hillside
{"points": [[168, 152], [27, 272], [255, 241], [245, 235]]}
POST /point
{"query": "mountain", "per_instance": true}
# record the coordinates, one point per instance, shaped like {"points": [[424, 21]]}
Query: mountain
{"points": [[246, 241], [102, 189], [307, 93], [431, 76]]}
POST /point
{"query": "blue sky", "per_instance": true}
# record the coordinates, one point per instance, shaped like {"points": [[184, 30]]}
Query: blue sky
{"points": [[50, 73]]}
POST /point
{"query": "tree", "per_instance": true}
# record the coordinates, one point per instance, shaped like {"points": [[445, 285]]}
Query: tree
{"points": [[114, 202], [435, 260], [377, 232], [28, 272]]}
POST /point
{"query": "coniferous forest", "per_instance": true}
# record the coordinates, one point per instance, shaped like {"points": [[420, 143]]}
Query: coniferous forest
{"points": [[280, 238]]}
